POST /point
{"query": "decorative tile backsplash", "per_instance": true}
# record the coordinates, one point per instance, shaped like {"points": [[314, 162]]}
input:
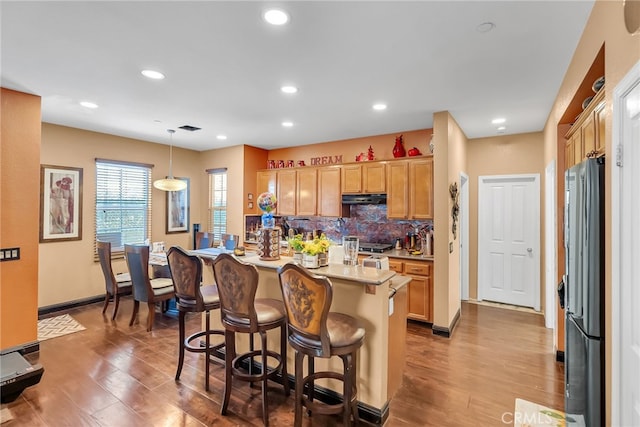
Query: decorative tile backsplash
{"points": [[368, 222]]}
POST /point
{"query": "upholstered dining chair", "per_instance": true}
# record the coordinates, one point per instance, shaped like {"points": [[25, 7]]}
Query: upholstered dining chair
{"points": [[115, 284], [314, 331], [186, 273], [204, 240], [242, 312], [145, 289]]}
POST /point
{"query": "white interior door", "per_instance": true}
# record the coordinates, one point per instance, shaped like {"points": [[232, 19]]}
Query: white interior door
{"points": [[509, 239], [626, 252]]}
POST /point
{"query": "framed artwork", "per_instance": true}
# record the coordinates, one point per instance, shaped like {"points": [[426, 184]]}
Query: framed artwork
{"points": [[60, 203], [178, 209]]}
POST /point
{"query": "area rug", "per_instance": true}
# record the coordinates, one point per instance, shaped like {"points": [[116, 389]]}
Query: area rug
{"points": [[529, 414], [58, 326]]}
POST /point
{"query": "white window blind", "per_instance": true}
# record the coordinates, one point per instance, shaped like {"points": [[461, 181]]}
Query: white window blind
{"points": [[217, 222], [123, 203]]}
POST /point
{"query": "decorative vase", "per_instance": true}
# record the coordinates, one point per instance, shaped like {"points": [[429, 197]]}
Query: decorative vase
{"points": [[310, 261], [323, 259], [398, 149], [297, 257]]}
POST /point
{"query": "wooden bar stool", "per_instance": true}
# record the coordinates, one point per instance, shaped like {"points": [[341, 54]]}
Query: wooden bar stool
{"points": [[314, 331], [241, 312], [186, 273]]}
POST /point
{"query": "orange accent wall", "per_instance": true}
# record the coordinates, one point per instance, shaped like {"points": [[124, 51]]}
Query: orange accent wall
{"points": [[19, 216], [254, 160]]}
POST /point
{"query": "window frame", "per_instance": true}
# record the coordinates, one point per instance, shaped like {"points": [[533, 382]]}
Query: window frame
{"points": [[212, 226]]}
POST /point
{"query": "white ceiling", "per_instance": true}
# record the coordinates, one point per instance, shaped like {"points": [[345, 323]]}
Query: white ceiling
{"points": [[224, 66]]}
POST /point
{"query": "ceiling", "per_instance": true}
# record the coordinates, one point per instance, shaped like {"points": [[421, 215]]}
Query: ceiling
{"points": [[224, 66]]}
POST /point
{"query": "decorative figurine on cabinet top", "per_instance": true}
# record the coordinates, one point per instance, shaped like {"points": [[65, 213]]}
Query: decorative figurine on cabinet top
{"points": [[414, 152], [398, 149]]}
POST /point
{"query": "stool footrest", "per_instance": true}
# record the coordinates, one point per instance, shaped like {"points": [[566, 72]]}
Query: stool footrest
{"points": [[271, 372], [200, 348]]}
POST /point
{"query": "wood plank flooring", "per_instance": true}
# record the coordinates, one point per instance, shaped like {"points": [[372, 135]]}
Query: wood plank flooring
{"points": [[115, 375]]}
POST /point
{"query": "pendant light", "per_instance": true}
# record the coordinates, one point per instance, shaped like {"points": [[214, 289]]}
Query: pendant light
{"points": [[170, 183]]}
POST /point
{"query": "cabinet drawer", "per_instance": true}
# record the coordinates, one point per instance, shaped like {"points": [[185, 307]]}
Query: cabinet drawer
{"points": [[417, 268], [395, 266]]}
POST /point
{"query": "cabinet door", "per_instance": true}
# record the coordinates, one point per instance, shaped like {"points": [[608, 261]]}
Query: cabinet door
{"points": [[418, 289], [397, 190], [286, 192], [307, 190], [578, 150], [329, 197], [374, 177], [568, 154], [266, 182], [588, 130], [421, 189], [352, 179], [600, 117]]}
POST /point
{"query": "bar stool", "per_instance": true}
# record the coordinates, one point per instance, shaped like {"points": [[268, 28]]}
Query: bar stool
{"points": [[314, 331], [241, 312], [186, 273]]}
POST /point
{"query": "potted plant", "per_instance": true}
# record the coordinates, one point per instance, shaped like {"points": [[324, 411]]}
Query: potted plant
{"points": [[314, 252], [296, 245]]}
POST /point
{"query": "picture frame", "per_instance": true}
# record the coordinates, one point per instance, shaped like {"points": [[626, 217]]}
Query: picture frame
{"points": [[178, 206], [60, 203]]}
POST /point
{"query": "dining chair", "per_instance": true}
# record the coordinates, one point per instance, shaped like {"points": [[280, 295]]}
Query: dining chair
{"points": [[204, 240], [314, 331], [145, 289], [230, 241], [186, 273], [242, 312], [115, 284]]}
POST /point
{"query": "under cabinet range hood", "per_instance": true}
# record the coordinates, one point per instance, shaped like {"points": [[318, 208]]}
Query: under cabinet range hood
{"points": [[364, 199]]}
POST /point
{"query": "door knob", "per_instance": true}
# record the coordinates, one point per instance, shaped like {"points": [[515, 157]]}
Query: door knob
{"points": [[529, 250]]}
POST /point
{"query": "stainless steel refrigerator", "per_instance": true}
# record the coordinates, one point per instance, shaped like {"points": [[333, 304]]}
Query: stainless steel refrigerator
{"points": [[584, 293]]}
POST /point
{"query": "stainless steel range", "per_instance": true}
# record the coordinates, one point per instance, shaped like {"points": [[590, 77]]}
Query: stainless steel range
{"points": [[375, 247]]}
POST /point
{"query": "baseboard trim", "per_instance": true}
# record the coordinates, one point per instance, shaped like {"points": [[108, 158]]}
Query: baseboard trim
{"points": [[68, 305], [26, 348], [560, 356], [365, 412], [447, 331]]}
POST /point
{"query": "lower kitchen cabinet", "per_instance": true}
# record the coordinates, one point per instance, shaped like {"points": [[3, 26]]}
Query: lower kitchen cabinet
{"points": [[420, 290]]}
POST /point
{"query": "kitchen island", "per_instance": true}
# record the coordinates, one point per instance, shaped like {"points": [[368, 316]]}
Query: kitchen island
{"points": [[378, 298]]}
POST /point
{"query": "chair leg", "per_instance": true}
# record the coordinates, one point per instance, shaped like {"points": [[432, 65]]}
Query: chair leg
{"points": [[207, 351], [283, 354], [251, 348], [116, 305], [151, 315], [298, 390], [311, 384], [182, 337], [106, 303], [354, 387], [265, 372], [230, 354], [136, 306], [348, 388]]}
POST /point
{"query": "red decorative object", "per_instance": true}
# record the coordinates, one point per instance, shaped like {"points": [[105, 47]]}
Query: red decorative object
{"points": [[370, 155], [398, 149], [361, 157], [414, 152]]}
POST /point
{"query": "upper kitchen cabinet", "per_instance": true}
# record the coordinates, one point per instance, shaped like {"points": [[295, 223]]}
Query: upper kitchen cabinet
{"points": [[307, 183], [410, 189], [267, 181], [286, 192], [329, 197], [586, 136], [368, 177]]}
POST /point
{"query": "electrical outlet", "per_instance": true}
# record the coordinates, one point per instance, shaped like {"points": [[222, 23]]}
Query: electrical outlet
{"points": [[9, 254]]}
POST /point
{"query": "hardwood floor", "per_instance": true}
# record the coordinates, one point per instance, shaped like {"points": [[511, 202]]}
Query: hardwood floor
{"points": [[115, 375]]}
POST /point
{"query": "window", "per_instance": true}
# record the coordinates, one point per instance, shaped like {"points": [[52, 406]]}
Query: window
{"points": [[217, 223], [123, 203]]}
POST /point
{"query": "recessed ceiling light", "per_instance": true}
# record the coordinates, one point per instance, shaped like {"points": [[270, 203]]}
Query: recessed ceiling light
{"points": [[276, 17], [287, 124], [485, 27], [151, 74], [498, 120], [289, 89], [379, 106], [221, 137], [502, 128], [88, 104]]}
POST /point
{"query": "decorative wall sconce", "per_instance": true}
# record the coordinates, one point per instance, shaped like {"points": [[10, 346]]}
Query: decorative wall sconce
{"points": [[455, 209]]}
